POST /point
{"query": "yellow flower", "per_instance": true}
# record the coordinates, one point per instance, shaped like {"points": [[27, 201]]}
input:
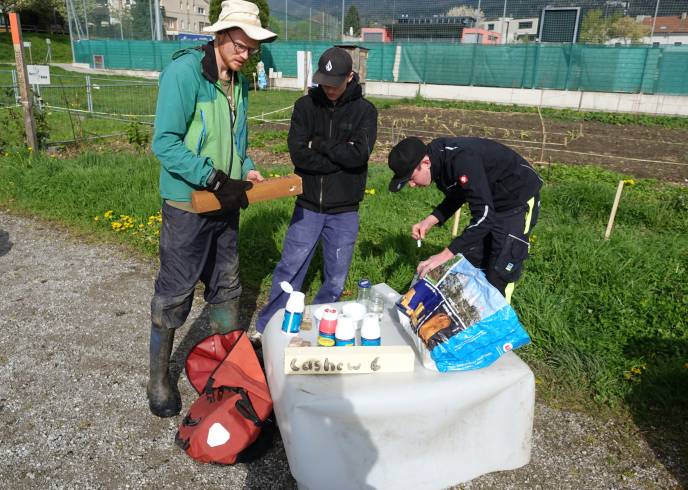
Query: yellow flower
{"points": [[96, 218], [629, 182], [108, 214], [116, 226]]}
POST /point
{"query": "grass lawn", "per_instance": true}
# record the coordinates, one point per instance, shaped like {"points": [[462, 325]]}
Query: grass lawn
{"points": [[61, 50], [607, 318]]}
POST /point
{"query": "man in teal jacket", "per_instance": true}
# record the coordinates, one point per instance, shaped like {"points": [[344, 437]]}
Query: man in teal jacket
{"points": [[200, 139]]}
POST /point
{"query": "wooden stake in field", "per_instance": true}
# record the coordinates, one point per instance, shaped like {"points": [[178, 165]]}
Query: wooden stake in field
{"points": [[615, 206], [455, 226], [23, 81]]}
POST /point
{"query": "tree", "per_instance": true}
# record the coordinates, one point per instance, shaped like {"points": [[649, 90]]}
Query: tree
{"points": [[214, 10], [595, 28], [6, 6], [352, 20], [466, 11], [629, 30], [141, 20]]}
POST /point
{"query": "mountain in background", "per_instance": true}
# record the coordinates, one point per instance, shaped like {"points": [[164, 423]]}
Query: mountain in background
{"points": [[383, 11]]}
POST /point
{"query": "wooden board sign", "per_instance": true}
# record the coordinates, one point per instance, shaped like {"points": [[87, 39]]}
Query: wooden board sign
{"points": [[286, 186], [348, 360]]}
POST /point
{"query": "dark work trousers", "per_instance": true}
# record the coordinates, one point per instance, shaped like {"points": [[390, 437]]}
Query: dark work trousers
{"points": [[501, 253], [337, 232], [194, 247]]}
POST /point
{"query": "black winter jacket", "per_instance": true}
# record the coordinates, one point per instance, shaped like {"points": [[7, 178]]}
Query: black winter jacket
{"points": [[334, 174], [491, 177]]}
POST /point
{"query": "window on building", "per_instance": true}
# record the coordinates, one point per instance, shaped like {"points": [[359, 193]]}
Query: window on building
{"points": [[200, 10], [525, 25], [490, 27], [678, 43]]}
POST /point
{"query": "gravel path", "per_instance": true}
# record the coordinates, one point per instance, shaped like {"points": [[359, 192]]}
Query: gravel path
{"points": [[73, 358]]}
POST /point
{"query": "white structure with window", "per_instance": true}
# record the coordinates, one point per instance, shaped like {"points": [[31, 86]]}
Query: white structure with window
{"points": [[514, 30], [189, 16]]}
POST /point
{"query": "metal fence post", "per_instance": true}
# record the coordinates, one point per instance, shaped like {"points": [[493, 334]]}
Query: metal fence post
{"points": [[15, 86], [474, 55], [89, 94], [568, 67]]}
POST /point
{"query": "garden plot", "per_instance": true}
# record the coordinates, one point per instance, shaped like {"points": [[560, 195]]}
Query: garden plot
{"points": [[641, 151]]}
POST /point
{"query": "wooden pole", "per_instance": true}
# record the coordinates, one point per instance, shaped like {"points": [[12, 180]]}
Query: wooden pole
{"points": [[23, 81], [455, 226], [615, 206]]}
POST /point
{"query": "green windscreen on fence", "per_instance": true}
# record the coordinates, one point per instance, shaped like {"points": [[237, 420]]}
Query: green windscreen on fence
{"points": [[597, 68]]}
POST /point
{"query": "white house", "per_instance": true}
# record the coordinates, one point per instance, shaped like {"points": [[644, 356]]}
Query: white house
{"points": [[513, 30]]}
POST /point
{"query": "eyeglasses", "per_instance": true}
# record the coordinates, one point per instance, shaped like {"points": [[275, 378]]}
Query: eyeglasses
{"points": [[242, 48]]}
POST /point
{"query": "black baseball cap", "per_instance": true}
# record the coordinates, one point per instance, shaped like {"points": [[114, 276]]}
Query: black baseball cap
{"points": [[334, 66], [403, 160]]}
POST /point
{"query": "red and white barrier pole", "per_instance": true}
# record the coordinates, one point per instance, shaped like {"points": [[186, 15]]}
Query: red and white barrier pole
{"points": [[23, 80]]}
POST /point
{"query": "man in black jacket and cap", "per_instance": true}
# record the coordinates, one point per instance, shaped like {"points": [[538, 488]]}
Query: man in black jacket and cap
{"points": [[502, 191], [332, 133]]}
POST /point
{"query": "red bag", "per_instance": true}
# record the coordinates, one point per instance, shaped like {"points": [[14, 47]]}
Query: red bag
{"points": [[231, 421]]}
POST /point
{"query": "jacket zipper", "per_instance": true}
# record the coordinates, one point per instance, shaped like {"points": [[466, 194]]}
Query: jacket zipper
{"points": [[322, 177], [201, 137]]}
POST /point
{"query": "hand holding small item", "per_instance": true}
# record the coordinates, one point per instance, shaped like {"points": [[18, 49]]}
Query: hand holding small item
{"points": [[420, 229], [433, 262]]}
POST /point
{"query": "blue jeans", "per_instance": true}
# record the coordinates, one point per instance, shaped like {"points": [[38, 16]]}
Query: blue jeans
{"points": [[338, 234]]}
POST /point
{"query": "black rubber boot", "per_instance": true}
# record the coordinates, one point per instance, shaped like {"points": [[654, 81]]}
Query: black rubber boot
{"points": [[224, 317], [163, 395]]}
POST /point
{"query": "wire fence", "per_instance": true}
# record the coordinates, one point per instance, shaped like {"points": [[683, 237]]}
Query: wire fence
{"points": [[471, 21]]}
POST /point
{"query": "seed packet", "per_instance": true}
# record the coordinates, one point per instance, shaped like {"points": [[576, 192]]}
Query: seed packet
{"points": [[460, 319]]}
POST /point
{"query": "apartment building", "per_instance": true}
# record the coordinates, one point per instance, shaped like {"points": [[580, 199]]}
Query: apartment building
{"points": [[185, 16]]}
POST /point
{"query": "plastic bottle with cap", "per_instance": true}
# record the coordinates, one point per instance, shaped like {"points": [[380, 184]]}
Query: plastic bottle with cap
{"points": [[293, 312], [327, 327], [364, 293], [345, 333], [370, 331]]}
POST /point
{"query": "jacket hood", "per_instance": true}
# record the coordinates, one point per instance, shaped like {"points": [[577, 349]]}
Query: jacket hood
{"points": [[206, 56], [353, 91]]}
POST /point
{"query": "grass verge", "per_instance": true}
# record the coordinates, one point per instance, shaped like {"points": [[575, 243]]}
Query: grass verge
{"points": [[607, 318]]}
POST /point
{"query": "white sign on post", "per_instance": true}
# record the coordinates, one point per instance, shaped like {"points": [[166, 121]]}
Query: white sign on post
{"points": [[38, 74]]}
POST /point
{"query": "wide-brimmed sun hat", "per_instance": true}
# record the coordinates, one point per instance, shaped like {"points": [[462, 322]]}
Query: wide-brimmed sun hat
{"points": [[244, 15]]}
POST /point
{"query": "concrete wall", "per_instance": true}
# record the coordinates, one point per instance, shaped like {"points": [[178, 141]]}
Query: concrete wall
{"points": [[559, 99]]}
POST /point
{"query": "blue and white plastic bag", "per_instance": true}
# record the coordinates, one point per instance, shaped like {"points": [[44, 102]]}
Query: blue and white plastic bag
{"points": [[463, 321]]}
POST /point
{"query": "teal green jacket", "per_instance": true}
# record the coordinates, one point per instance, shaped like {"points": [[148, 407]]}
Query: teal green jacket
{"points": [[194, 128]]}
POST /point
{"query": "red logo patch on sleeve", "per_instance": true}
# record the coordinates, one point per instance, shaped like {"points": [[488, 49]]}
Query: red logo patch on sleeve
{"points": [[463, 179]]}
